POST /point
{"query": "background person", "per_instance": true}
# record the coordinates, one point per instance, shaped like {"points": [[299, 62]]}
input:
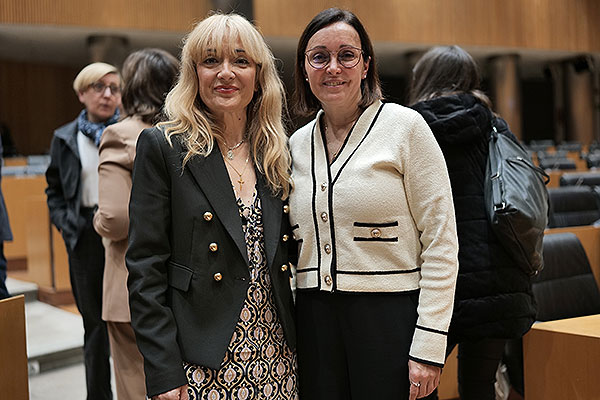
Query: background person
{"points": [[148, 74], [494, 301], [210, 296], [372, 210], [72, 193]]}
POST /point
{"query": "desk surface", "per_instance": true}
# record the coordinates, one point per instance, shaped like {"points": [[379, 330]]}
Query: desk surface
{"points": [[582, 326]]}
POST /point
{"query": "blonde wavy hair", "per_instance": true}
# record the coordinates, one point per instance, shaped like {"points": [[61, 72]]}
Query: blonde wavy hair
{"points": [[190, 119]]}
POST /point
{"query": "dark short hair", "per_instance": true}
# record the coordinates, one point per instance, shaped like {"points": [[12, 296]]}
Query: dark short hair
{"points": [[305, 102], [445, 70], [149, 74]]}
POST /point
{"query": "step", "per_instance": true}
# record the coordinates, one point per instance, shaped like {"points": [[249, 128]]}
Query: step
{"points": [[54, 337], [16, 287]]}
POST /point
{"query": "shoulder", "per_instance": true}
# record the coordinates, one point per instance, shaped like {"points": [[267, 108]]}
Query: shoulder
{"points": [[396, 112], [302, 134], [69, 129], [129, 127]]}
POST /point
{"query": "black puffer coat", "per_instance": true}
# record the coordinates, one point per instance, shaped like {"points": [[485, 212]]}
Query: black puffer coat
{"points": [[493, 296]]}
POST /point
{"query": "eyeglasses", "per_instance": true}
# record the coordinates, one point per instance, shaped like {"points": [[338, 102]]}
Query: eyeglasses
{"points": [[347, 57], [100, 87]]}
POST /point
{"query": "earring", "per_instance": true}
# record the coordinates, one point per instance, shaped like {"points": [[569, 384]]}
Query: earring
{"points": [[306, 79]]}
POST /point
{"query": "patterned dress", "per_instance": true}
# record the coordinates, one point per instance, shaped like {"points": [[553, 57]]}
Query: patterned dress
{"points": [[258, 363]]}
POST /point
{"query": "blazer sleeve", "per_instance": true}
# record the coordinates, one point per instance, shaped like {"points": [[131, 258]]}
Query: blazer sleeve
{"points": [[57, 205], [114, 186], [147, 256], [430, 200]]}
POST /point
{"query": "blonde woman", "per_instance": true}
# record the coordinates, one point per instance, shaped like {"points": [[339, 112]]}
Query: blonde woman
{"points": [[210, 297]]}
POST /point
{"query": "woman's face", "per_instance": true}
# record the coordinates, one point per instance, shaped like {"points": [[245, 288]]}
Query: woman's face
{"points": [[226, 83], [336, 85], [102, 97]]}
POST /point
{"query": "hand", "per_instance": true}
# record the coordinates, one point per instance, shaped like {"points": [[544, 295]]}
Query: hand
{"points": [[179, 393], [426, 376]]}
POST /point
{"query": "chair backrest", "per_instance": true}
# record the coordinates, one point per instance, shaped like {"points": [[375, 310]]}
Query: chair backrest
{"points": [[562, 163], [573, 206], [580, 179], [566, 287]]}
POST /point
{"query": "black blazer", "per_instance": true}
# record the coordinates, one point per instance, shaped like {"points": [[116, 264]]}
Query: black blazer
{"points": [[187, 259], [64, 177]]}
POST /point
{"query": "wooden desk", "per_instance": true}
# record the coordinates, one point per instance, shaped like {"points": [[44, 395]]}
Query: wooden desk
{"points": [[561, 359], [13, 349]]}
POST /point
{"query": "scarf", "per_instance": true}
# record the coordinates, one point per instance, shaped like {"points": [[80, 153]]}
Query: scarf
{"points": [[94, 130]]}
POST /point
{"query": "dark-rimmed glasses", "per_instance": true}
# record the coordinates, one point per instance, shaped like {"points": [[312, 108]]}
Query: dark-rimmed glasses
{"points": [[100, 87], [347, 57]]}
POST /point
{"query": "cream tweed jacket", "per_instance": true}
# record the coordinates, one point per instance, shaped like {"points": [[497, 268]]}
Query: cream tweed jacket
{"points": [[380, 218]]}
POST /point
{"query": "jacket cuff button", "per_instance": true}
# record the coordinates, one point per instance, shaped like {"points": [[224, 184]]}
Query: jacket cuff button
{"points": [[284, 268], [213, 247], [217, 277]]}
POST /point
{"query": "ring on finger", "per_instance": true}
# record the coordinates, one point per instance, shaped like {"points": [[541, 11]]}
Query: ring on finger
{"points": [[417, 384]]}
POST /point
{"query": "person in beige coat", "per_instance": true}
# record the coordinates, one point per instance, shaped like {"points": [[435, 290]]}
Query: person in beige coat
{"points": [[149, 74]]}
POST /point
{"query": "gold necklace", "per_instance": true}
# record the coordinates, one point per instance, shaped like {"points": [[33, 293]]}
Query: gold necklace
{"points": [[230, 150], [240, 174]]}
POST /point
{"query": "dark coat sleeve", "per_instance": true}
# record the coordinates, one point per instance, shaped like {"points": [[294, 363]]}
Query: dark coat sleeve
{"points": [[147, 256], [57, 205]]}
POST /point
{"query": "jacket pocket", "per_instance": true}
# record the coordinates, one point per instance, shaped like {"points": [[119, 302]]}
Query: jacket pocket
{"points": [[375, 231], [180, 276]]}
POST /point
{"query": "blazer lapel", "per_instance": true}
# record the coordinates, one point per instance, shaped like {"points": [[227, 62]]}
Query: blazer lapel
{"points": [[211, 174], [271, 213]]}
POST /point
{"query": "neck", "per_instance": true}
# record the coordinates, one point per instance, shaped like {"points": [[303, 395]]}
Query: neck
{"points": [[340, 121], [234, 128]]}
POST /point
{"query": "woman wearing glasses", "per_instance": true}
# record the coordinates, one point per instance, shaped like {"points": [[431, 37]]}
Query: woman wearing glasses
{"points": [[372, 211], [72, 192]]}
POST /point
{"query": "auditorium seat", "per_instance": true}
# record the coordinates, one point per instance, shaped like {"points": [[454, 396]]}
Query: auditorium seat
{"points": [[573, 206], [570, 146], [580, 179], [561, 163], [565, 288], [540, 145]]}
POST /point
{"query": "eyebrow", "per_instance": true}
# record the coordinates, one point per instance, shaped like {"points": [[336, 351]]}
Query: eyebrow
{"points": [[325, 47]]}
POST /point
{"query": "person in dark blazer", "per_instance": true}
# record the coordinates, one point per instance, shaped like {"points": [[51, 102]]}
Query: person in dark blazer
{"points": [[72, 193], [209, 276], [5, 236], [494, 301]]}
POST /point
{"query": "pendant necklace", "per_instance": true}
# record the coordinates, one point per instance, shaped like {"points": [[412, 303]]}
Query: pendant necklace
{"points": [[230, 150], [240, 174]]}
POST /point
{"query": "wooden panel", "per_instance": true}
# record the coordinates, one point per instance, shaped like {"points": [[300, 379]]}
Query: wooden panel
{"points": [[562, 359], [542, 24], [37, 223], [16, 190], [62, 280], [34, 101], [13, 349], [448, 388], [15, 161], [175, 15]]}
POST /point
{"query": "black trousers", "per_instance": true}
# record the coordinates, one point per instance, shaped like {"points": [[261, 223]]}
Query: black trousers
{"points": [[3, 291], [86, 269], [477, 365], [354, 346]]}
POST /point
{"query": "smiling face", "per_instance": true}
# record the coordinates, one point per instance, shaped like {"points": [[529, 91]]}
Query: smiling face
{"points": [[101, 105], [336, 85], [227, 81]]}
